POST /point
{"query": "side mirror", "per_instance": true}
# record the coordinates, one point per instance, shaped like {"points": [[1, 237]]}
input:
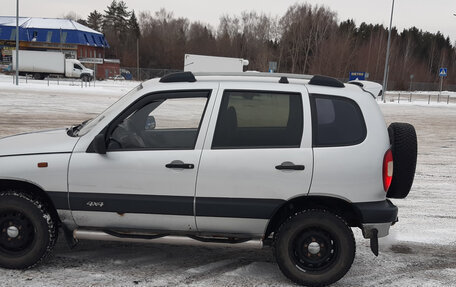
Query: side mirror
{"points": [[150, 123], [99, 144]]}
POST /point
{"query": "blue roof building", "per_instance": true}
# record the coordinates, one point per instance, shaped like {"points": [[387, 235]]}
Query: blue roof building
{"points": [[74, 39]]}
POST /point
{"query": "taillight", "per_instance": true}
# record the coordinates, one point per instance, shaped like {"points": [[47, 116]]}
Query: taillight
{"points": [[387, 169]]}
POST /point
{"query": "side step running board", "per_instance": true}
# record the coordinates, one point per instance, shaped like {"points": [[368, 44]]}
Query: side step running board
{"points": [[176, 240]]}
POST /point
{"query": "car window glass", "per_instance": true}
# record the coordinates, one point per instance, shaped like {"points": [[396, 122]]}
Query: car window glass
{"points": [[161, 124], [326, 114], [179, 113], [337, 121], [250, 119]]}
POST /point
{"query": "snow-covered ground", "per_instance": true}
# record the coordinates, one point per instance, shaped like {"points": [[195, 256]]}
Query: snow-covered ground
{"points": [[420, 251]]}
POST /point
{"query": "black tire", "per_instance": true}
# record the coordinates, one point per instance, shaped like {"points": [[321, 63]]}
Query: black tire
{"points": [[37, 76], [404, 147], [86, 78], [28, 231], [318, 265]]}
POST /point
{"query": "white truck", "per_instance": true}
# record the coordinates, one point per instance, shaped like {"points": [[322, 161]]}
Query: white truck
{"points": [[42, 64], [201, 63]]}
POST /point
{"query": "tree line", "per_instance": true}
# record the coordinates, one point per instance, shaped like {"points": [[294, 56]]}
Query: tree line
{"points": [[306, 39]]}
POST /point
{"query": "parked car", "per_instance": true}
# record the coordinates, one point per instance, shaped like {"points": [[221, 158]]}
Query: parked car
{"points": [[254, 159], [117, 78], [126, 74]]}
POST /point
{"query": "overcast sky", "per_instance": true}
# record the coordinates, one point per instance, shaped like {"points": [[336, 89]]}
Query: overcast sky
{"points": [[432, 16]]}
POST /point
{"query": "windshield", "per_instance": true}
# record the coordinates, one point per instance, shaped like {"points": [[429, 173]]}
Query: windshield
{"points": [[93, 122]]}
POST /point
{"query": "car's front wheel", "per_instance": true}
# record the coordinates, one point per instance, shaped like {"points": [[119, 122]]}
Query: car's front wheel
{"points": [[28, 231], [314, 248]]}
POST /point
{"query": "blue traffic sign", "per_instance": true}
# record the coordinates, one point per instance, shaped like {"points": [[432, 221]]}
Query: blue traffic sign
{"points": [[357, 76], [443, 72]]}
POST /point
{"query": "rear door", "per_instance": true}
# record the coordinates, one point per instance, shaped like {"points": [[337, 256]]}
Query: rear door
{"points": [[257, 155]]}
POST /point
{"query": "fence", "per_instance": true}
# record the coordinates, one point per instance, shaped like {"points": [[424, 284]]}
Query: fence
{"points": [[429, 98], [57, 80], [143, 74]]}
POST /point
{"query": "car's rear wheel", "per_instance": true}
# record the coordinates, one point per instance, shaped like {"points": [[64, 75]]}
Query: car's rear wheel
{"points": [[28, 231], [314, 248], [404, 147]]}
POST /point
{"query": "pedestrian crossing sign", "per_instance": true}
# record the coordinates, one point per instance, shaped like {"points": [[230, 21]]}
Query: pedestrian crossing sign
{"points": [[443, 72]]}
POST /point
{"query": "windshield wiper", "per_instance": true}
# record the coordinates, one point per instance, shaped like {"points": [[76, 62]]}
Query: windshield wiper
{"points": [[73, 130]]}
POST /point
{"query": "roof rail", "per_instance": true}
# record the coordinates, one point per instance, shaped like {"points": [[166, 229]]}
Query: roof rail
{"points": [[255, 74], [326, 81], [178, 77], [283, 77]]}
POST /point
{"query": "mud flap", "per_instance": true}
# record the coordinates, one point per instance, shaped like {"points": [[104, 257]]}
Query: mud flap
{"points": [[69, 238], [374, 242]]}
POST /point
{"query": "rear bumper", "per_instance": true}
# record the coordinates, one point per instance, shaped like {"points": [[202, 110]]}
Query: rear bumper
{"points": [[378, 216]]}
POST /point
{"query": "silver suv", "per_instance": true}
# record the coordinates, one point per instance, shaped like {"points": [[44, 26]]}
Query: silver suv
{"points": [[288, 161]]}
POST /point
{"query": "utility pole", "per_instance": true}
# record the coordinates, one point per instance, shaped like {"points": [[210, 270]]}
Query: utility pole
{"points": [[17, 42], [138, 78], [385, 73]]}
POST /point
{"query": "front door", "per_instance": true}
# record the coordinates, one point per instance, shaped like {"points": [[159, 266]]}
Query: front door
{"points": [[147, 178], [257, 155], [77, 71]]}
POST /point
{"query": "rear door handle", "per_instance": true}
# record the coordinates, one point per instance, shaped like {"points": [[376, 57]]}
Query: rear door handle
{"points": [[180, 164], [287, 165]]}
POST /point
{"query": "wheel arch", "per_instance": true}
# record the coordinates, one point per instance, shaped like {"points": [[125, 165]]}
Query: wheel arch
{"points": [[338, 206], [31, 189]]}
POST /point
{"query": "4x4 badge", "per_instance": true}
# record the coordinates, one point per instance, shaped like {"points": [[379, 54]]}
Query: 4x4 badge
{"points": [[95, 204]]}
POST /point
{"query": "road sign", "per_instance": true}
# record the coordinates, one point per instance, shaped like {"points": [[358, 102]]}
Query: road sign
{"points": [[443, 72], [91, 60], [358, 76], [272, 67]]}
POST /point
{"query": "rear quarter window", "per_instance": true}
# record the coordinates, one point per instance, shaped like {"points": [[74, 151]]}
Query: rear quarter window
{"points": [[336, 121]]}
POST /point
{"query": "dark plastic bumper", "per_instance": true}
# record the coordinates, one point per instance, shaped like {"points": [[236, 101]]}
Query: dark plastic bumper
{"points": [[377, 212]]}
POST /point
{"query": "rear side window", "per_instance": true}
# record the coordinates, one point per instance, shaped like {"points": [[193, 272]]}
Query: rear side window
{"points": [[336, 121], [256, 119]]}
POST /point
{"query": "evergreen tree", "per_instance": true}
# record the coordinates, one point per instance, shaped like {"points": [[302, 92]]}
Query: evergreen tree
{"points": [[133, 25], [109, 17], [82, 22], [122, 16], [95, 20]]}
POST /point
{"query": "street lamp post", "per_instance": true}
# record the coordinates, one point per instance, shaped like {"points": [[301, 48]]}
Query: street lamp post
{"points": [[385, 73], [17, 42]]}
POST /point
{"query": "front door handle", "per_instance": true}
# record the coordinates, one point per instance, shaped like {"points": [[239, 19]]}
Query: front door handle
{"points": [[180, 164], [287, 165]]}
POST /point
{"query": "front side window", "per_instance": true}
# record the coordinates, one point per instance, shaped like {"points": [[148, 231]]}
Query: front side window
{"points": [[336, 121], [76, 66], [256, 119], [168, 123]]}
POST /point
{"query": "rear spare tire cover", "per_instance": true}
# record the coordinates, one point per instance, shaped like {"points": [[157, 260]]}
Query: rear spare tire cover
{"points": [[404, 148]]}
